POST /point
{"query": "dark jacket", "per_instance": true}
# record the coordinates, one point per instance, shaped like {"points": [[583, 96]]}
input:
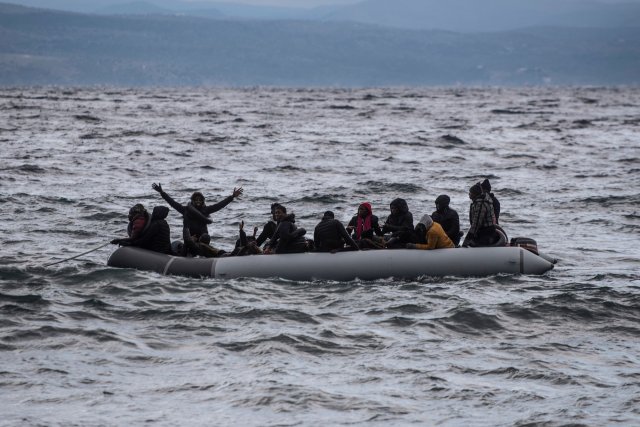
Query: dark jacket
{"points": [[196, 220], [287, 238], [367, 234], [496, 206], [399, 223], [450, 221], [267, 232], [157, 235], [482, 230], [331, 235]]}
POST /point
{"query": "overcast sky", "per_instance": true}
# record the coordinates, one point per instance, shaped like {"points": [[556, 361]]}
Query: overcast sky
{"points": [[313, 3]]}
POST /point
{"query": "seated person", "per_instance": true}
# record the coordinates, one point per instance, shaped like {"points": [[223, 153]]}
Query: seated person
{"points": [[434, 235], [447, 218], [399, 224], [331, 236], [146, 232], [287, 238], [365, 228], [269, 228], [246, 245]]}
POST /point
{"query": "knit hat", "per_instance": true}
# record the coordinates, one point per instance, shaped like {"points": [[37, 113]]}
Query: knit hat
{"points": [[328, 215], [426, 221], [443, 201], [475, 190], [486, 185]]}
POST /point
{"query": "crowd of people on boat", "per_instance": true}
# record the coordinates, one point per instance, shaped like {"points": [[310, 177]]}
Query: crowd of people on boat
{"points": [[281, 234]]}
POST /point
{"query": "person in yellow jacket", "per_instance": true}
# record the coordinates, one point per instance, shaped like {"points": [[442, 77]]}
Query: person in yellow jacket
{"points": [[435, 235]]}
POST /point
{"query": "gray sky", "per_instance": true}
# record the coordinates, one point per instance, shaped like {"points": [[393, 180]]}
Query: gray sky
{"points": [[313, 3]]}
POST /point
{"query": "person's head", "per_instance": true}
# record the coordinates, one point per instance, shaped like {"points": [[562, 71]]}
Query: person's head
{"points": [[364, 210], [279, 213], [426, 221], [442, 202], [475, 191], [328, 215], [273, 209], [197, 199], [136, 210], [398, 206]]}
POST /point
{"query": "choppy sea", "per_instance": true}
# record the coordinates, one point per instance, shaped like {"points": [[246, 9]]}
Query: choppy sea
{"points": [[88, 345]]}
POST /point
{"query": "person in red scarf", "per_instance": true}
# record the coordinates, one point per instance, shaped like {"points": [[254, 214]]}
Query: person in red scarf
{"points": [[364, 226]]}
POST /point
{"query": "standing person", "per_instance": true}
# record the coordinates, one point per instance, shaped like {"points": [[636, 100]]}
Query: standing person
{"points": [[287, 239], [196, 213], [448, 218], [434, 237], [399, 224], [482, 229], [486, 187], [154, 234], [270, 227], [331, 236]]}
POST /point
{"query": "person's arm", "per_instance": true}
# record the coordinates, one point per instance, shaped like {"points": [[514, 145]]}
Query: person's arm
{"points": [[375, 225], [274, 240], [237, 192], [243, 235], [348, 240], [267, 232], [175, 205], [432, 241]]}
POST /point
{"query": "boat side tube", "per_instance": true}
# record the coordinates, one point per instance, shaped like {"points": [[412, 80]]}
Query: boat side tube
{"points": [[345, 266]]}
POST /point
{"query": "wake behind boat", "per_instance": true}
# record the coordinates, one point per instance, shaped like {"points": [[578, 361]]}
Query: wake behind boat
{"points": [[344, 266]]}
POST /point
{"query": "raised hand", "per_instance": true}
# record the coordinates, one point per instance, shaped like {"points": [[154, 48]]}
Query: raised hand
{"points": [[237, 192], [157, 187]]}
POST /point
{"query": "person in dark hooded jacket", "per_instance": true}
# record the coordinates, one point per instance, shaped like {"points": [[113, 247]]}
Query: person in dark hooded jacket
{"points": [[156, 235], [486, 187], [287, 238], [196, 213], [399, 224], [447, 218], [269, 228], [331, 236], [482, 220]]}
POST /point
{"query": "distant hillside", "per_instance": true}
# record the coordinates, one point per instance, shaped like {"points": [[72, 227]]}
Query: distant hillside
{"points": [[450, 15], [489, 15], [45, 47]]}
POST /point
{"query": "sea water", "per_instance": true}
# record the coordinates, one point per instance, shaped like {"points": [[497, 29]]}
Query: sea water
{"points": [[85, 344]]}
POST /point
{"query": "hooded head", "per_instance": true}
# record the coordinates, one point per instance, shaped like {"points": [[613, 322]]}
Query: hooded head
{"points": [[426, 221], [159, 212], [442, 202], [197, 199], [475, 191], [328, 215], [486, 186], [400, 205], [364, 210]]}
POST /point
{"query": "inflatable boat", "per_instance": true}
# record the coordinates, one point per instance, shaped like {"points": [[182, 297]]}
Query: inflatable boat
{"points": [[343, 266]]}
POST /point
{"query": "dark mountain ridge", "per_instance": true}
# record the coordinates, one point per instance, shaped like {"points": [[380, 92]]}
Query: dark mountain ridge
{"points": [[40, 47]]}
